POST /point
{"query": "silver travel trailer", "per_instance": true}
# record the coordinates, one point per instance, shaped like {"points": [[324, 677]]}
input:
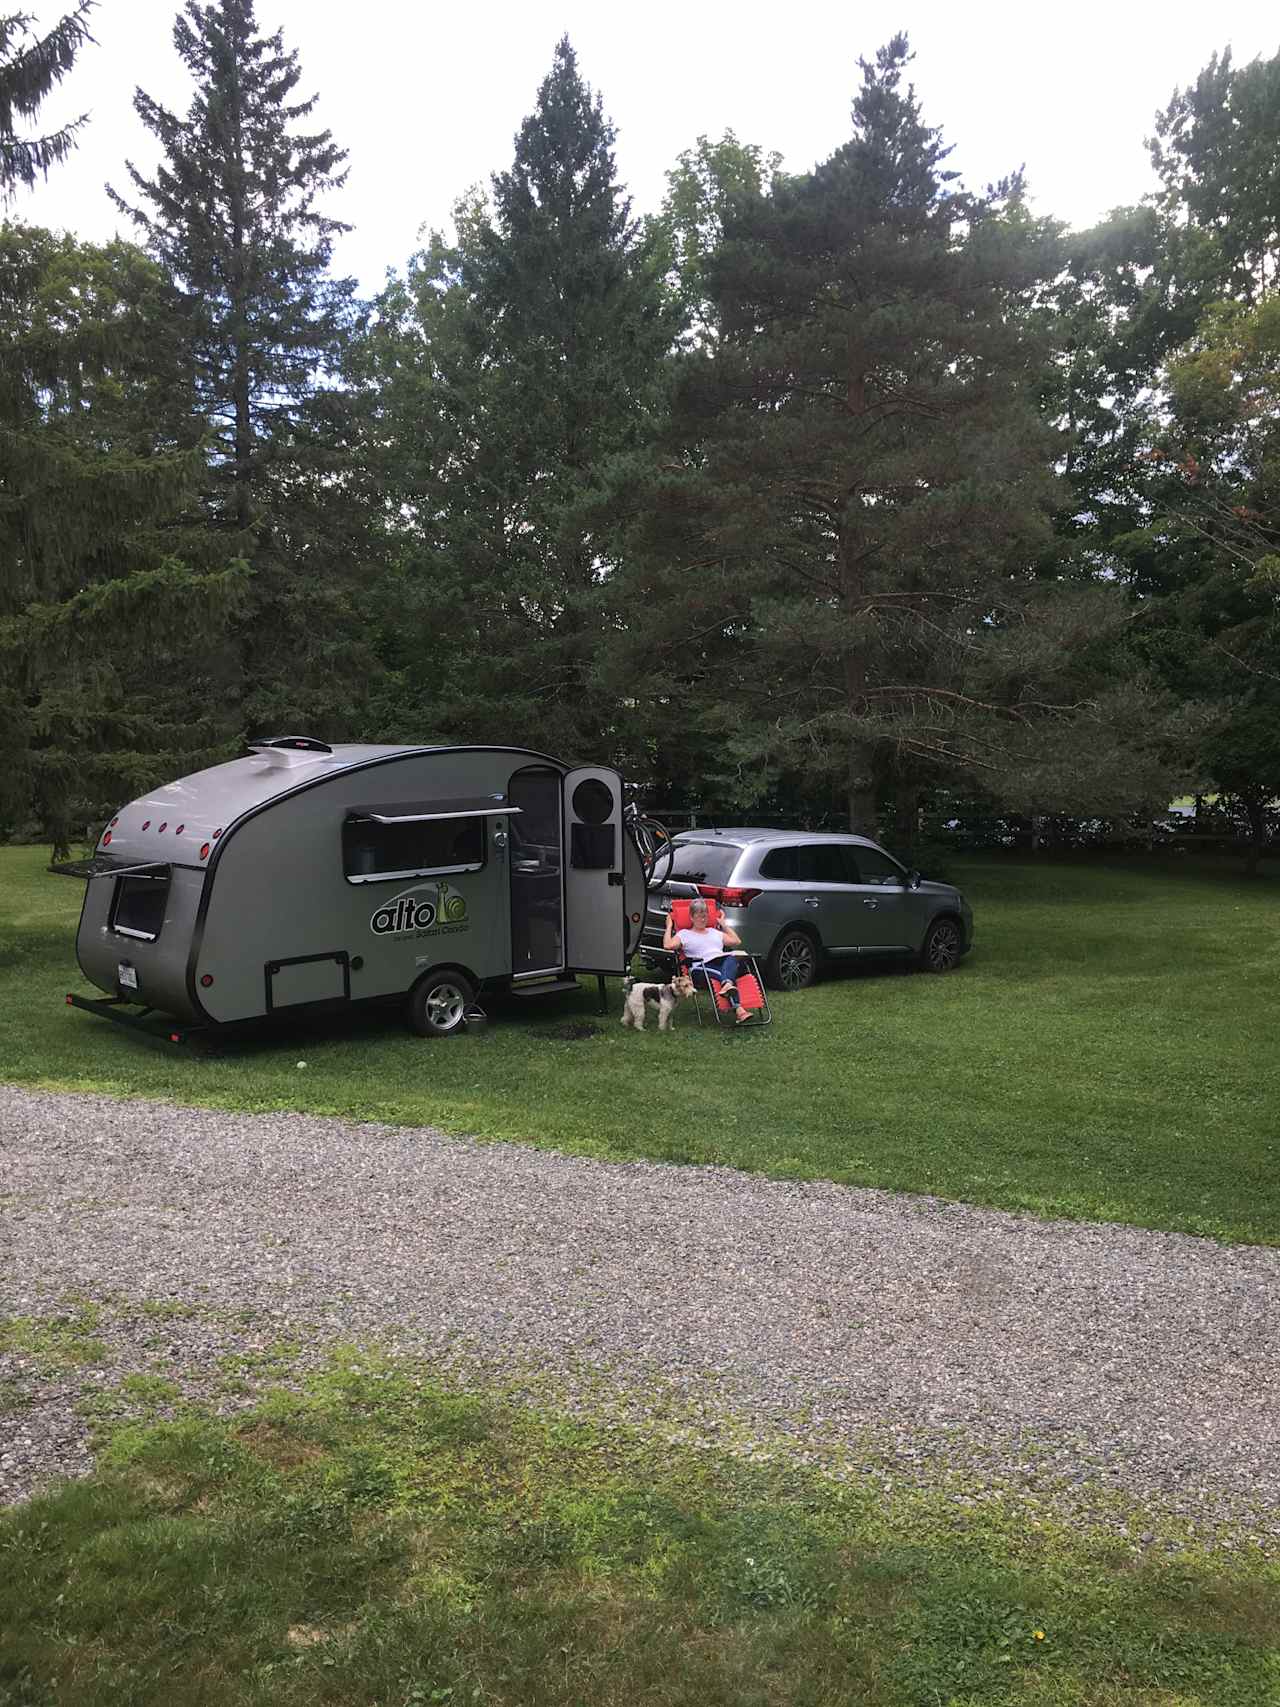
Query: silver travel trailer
{"points": [[304, 878]]}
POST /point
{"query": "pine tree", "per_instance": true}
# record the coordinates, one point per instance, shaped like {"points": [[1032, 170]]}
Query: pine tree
{"points": [[851, 523], [30, 68], [231, 216]]}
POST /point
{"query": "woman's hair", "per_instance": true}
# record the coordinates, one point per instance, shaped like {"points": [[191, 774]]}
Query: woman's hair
{"points": [[698, 906]]}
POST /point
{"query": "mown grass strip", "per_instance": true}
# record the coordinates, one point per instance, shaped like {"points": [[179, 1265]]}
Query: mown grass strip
{"points": [[378, 1540], [1108, 1053]]}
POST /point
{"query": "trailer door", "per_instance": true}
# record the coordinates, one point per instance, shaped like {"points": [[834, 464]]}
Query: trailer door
{"points": [[595, 899], [537, 878]]}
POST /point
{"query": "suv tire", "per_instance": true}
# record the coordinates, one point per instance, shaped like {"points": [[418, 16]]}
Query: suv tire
{"points": [[793, 960], [942, 947], [438, 1004]]}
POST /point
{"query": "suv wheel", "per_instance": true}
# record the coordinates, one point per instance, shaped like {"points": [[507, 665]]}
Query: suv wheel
{"points": [[793, 961], [943, 945], [438, 1005]]}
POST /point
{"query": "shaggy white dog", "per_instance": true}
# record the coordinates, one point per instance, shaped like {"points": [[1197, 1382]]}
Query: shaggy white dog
{"points": [[638, 998]]}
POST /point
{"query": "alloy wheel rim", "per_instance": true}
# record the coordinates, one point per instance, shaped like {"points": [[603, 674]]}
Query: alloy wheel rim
{"points": [[445, 1006], [795, 962], [944, 948]]}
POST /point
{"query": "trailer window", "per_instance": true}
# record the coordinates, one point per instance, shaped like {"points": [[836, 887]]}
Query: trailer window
{"points": [[416, 849], [139, 906]]}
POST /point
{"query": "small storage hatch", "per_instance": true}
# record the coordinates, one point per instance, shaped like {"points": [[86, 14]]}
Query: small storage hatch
{"points": [[308, 979]]}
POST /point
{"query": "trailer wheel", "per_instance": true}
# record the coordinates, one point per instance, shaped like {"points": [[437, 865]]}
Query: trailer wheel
{"points": [[438, 1004]]}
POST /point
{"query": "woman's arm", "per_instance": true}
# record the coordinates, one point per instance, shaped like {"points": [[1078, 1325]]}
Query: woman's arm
{"points": [[731, 937], [670, 940]]}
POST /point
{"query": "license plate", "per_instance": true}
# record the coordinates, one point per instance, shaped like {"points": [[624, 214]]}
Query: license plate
{"points": [[128, 976]]}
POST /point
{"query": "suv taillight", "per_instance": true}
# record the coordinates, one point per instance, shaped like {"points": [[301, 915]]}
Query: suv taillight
{"points": [[728, 897]]}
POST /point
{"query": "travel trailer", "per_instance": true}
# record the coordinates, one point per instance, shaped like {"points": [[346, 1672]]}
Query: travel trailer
{"points": [[305, 878]]}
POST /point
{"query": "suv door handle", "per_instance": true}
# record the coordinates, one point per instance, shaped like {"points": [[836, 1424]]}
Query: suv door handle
{"points": [[811, 900]]}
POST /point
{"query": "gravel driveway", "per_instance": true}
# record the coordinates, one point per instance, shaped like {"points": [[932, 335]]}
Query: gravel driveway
{"points": [[913, 1336]]}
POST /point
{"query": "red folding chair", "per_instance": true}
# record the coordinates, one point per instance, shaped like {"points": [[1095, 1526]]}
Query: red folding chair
{"points": [[751, 992]]}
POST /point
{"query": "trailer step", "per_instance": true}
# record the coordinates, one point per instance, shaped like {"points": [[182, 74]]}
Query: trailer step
{"points": [[546, 987]]}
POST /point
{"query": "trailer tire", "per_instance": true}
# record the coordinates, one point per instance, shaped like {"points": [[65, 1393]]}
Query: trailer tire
{"points": [[438, 1003]]}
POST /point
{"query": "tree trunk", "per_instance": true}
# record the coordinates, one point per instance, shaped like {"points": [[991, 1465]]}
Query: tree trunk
{"points": [[1255, 806], [906, 820], [862, 793], [240, 339], [862, 776]]}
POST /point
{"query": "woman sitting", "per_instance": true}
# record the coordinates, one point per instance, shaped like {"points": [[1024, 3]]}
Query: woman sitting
{"points": [[704, 946]]}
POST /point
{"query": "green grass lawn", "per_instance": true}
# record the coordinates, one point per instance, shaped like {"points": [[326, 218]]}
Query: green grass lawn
{"points": [[1107, 1052], [377, 1542]]}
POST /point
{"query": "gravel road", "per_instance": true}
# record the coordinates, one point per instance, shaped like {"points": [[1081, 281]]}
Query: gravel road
{"points": [[915, 1336]]}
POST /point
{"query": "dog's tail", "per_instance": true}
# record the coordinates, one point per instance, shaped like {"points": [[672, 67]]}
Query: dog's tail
{"points": [[628, 984]]}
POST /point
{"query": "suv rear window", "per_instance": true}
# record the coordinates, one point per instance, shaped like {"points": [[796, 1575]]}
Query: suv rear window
{"points": [[139, 905], [782, 864], [704, 862], [824, 862]]}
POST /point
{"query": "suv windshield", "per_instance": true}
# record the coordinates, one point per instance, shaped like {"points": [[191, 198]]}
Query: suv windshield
{"points": [[704, 862]]}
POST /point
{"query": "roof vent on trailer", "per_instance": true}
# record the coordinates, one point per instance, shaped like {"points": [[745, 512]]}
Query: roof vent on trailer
{"points": [[283, 752]]}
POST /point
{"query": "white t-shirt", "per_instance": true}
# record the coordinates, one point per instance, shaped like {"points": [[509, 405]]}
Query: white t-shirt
{"points": [[702, 945]]}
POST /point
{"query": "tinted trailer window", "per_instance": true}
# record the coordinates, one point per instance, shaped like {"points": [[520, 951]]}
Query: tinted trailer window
{"points": [[139, 906], [416, 848]]}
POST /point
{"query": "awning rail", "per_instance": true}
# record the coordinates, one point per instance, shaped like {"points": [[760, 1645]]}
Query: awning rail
{"points": [[103, 865], [424, 811]]}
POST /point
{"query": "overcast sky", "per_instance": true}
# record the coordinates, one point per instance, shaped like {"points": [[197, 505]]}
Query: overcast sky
{"points": [[427, 95]]}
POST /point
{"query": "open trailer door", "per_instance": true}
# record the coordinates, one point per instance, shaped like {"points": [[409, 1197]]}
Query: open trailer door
{"points": [[594, 893]]}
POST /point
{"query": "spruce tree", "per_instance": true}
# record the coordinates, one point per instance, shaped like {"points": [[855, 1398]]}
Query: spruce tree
{"points": [[111, 611], [114, 601], [232, 215], [524, 360], [30, 68]]}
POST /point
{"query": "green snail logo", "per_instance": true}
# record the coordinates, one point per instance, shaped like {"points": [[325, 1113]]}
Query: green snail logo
{"points": [[452, 908], [414, 911]]}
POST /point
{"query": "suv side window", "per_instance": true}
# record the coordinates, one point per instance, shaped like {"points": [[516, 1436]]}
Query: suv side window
{"points": [[875, 867], [781, 863], [821, 862]]}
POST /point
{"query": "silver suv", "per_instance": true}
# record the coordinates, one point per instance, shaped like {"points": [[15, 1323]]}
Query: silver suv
{"points": [[795, 897]]}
